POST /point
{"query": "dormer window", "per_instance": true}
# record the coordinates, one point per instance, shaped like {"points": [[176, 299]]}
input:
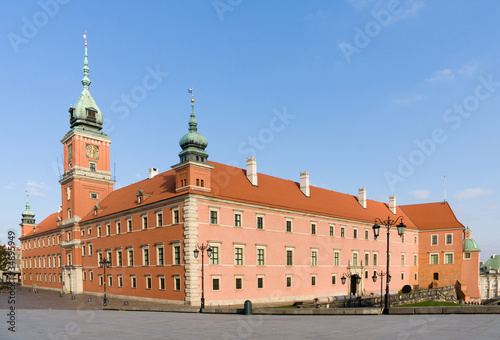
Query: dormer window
{"points": [[139, 199], [140, 196], [91, 113]]}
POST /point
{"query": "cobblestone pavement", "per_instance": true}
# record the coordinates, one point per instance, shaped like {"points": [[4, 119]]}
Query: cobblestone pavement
{"points": [[45, 315]]}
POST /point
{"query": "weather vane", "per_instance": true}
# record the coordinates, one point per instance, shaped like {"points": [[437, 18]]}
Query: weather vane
{"points": [[85, 37]]}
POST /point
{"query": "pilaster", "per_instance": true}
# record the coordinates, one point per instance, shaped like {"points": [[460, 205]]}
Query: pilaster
{"points": [[192, 277]]}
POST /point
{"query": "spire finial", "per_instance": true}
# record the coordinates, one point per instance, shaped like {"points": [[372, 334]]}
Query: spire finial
{"points": [[85, 80], [192, 121]]}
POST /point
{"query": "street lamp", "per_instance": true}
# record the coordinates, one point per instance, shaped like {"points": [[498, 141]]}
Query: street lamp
{"points": [[209, 254], [374, 278], [105, 263], [376, 231], [343, 280]]}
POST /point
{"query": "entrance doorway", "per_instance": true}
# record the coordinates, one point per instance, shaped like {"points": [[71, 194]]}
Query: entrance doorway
{"points": [[354, 285]]}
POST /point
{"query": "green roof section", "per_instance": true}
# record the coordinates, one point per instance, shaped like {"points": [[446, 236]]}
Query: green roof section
{"points": [[493, 263], [193, 143], [28, 214], [85, 115], [470, 245]]}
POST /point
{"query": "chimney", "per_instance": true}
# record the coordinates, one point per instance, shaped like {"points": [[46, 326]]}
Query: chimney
{"points": [[252, 170], [362, 197], [392, 204], [304, 183], [153, 172]]}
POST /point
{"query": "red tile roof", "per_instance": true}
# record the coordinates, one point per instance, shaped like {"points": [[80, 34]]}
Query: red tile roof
{"points": [[429, 216], [232, 184], [49, 223]]}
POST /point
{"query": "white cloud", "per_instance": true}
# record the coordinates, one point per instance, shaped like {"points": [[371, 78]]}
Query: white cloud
{"points": [[420, 194], [469, 69], [10, 186], [443, 75], [36, 188], [408, 100], [471, 193]]}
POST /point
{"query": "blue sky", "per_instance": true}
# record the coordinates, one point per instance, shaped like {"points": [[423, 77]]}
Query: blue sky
{"points": [[387, 95]]}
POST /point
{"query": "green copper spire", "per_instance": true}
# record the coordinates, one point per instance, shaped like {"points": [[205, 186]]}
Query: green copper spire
{"points": [[85, 115], [193, 144], [28, 215]]}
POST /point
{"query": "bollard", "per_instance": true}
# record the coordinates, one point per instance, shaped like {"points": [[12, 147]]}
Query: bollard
{"points": [[247, 309]]}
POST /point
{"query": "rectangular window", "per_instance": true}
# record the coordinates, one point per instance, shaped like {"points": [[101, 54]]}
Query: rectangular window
{"points": [[177, 283], [215, 284], [260, 257], [449, 238], [214, 258], [176, 216], [466, 255], [144, 222], [161, 282], [435, 276], [94, 195], [288, 226], [331, 231], [239, 283], [120, 281], [289, 257], [83, 253], [313, 228], [313, 280], [177, 255], [129, 225], [415, 239], [342, 232], [145, 256], [375, 259], [213, 217], [260, 282], [448, 258], [354, 259], [118, 227], [434, 240], [260, 222], [92, 167], [133, 281], [130, 257], [160, 257], [148, 282], [367, 234], [238, 256], [336, 259], [84, 276], [237, 220], [355, 233], [334, 279], [119, 258], [108, 229], [100, 280], [89, 231], [434, 259], [402, 259], [288, 281], [367, 259], [314, 258], [110, 281], [415, 259], [159, 219]]}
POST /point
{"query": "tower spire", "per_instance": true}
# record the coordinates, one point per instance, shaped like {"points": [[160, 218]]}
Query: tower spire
{"points": [[193, 143], [85, 80], [28, 214], [85, 114]]}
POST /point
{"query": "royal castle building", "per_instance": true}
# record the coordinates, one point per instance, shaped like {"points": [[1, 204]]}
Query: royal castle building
{"points": [[271, 239]]}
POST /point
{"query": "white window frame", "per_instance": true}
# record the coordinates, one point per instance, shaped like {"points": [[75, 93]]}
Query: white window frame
{"points": [[430, 258]]}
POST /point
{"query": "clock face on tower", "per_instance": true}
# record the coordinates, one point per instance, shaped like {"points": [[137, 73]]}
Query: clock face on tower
{"points": [[92, 151]]}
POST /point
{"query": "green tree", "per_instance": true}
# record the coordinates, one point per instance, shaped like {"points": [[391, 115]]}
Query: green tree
{"points": [[4, 258]]}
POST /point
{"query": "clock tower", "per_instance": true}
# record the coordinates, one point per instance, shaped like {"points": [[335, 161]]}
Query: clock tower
{"points": [[87, 177]]}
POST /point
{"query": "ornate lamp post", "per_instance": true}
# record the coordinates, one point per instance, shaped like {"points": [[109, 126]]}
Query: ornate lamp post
{"points": [[374, 278], [376, 231], [344, 278], [105, 263], [202, 248]]}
